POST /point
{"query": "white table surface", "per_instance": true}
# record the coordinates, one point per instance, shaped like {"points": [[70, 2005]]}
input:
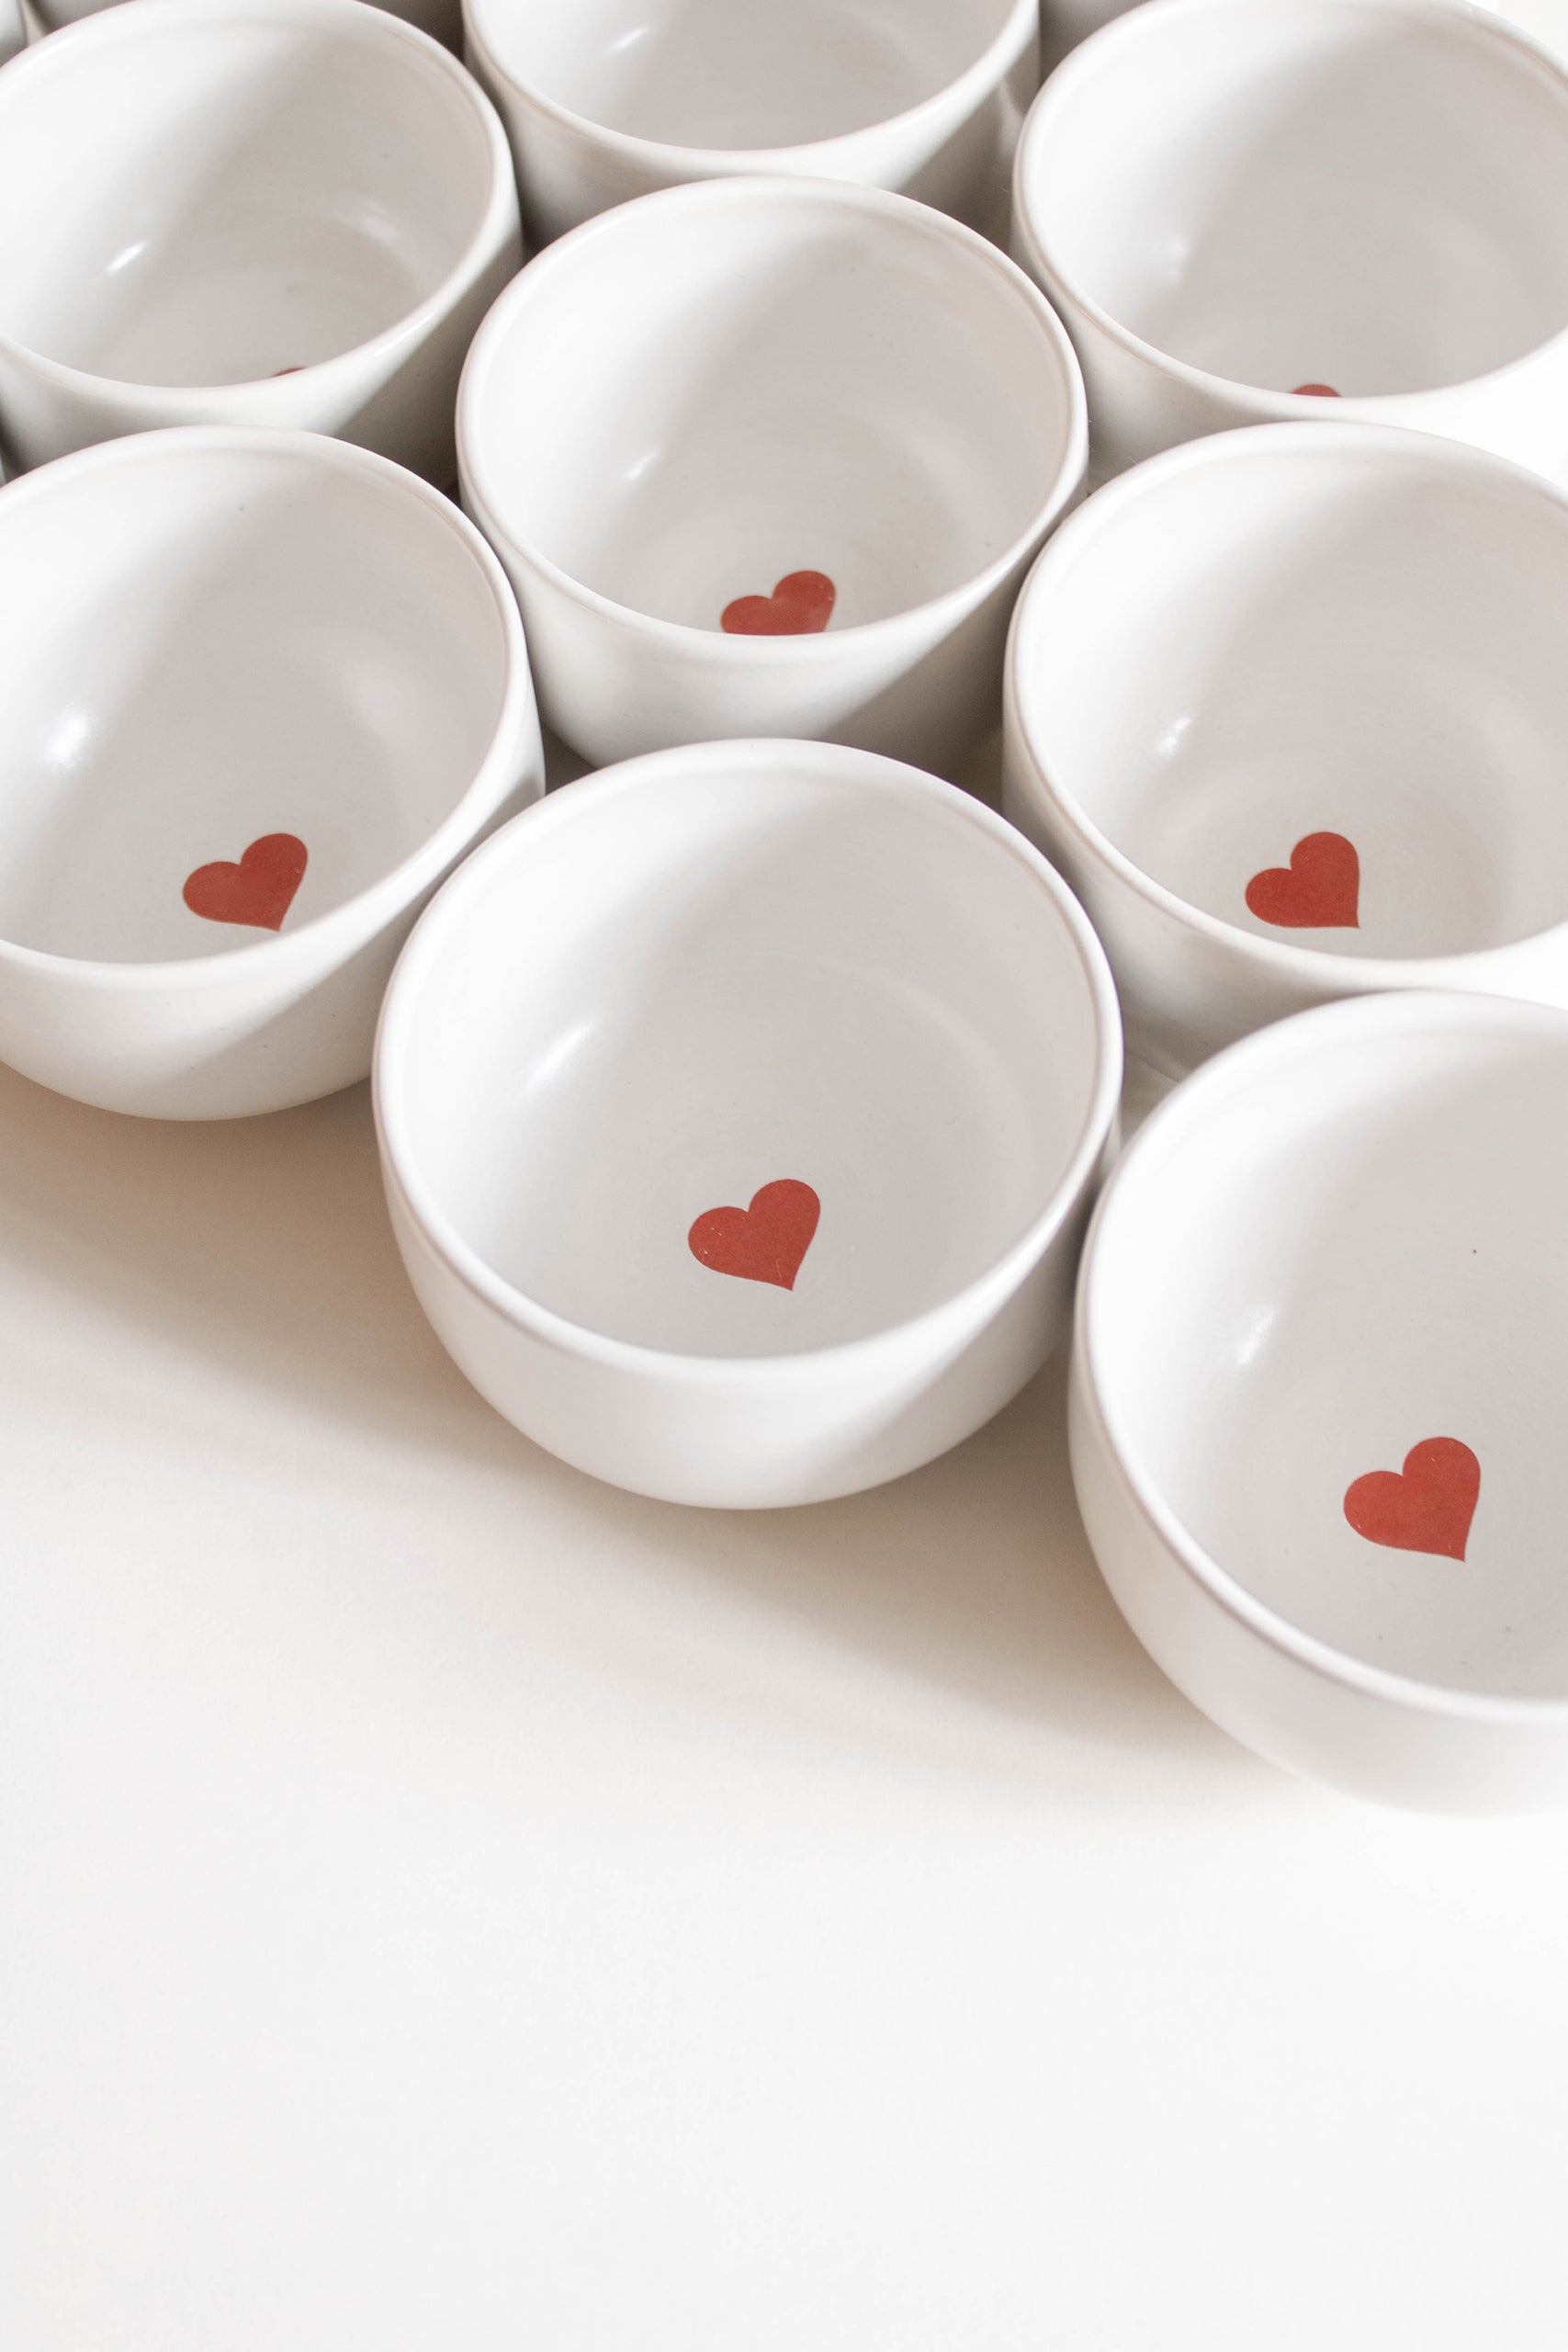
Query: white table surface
{"points": [[446, 1905]]}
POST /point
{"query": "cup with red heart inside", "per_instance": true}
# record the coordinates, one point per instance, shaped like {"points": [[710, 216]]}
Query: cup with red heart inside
{"points": [[1289, 707], [258, 691], [1248, 215], [765, 456], [740, 1109], [1319, 1383], [247, 213]]}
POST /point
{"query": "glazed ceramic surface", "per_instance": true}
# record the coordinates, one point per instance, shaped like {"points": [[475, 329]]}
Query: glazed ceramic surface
{"points": [[739, 1110], [763, 458], [288, 212], [1320, 1378], [442, 20], [259, 691], [1232, 204], [608, 99], [1333, 759]]}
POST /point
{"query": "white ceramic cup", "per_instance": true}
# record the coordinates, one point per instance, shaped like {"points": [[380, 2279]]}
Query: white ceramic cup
{"points": [[1288, 708], [285, 212], [258, 691], [756, 404], [1230, 202], [608, 99], [442, 20], [740, 1112], [1320, 1379]]}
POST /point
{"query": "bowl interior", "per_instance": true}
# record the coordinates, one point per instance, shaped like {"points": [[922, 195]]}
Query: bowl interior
{"points": [[202, 202], [1342, 696], [746, 1058], [211, 649], [1329, 1315], [739, 74], [1312, 194], [697, 400]]}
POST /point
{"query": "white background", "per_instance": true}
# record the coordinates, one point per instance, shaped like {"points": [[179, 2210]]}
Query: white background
{"points": [[447, 1904]]}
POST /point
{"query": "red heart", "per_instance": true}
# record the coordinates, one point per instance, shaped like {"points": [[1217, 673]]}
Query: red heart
{"points": [[1428, 1507], [1319, 391], [1319, 890], [765, 1243], [259, 890], [802, 603]]}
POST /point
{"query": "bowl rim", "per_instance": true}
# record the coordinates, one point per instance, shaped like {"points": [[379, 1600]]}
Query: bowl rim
{"points": [[1314, 967], [1166, 1132], [859, 772], [982, 73], [842, 200], [353, 20], [367, 912], [1069, 295]]}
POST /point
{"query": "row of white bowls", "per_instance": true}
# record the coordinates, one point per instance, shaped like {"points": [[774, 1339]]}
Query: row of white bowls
{"points": [[297, 211], [742, 1107], [653, 1014]]}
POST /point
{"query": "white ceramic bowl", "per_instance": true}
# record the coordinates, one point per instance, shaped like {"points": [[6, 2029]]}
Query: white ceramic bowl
{"points": [[1319, 1385], [608, 99], [286, 212], [1228, 201], [686, 410], [740, 1111], [1288, 708], [442, 20], [258, 691]]}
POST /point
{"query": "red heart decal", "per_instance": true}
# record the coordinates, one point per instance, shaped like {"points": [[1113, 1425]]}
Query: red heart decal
{"points": [[764, 1243], [259, 890], [801, 603], [1319, 890], [1319, 391], [1426, 1506]]}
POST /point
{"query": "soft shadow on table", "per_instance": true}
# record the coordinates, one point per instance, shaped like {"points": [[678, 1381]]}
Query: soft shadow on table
{"points": [[975, 1574], [262, 1247]]}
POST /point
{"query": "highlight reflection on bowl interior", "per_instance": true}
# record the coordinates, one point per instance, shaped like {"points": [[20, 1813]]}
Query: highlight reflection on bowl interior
{"points": [[738, 73], [1373, 197], [208, 645], [193, 197], [726, 384], [721, 979]]}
